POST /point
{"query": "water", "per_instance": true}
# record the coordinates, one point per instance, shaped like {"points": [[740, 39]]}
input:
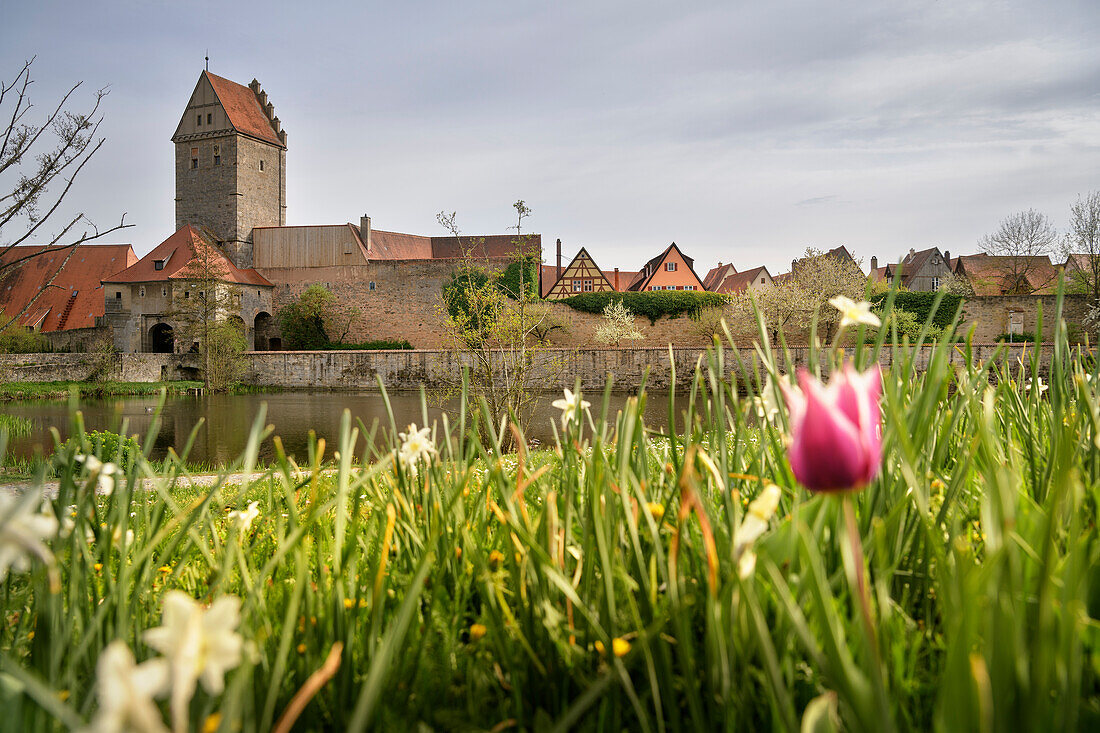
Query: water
{"points": [[228, 419]]}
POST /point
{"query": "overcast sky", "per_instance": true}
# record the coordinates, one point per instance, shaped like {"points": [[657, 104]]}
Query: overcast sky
{"points": [[744, 131]]}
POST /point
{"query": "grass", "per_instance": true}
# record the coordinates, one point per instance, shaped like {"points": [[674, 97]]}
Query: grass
{"points": [[478, 593], [61, 390]]}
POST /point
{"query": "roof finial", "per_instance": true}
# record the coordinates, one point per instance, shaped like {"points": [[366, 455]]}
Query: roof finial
{"points": [[208, 59]]}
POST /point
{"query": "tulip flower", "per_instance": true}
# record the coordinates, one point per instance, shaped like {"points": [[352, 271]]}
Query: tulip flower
{"points": [[836, 429]]}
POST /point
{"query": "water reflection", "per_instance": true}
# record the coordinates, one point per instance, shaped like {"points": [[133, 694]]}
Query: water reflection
{"points": [[228, 419]]}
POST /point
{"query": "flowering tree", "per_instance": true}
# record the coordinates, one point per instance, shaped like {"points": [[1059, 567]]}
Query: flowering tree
{"points": [[617, 325]]}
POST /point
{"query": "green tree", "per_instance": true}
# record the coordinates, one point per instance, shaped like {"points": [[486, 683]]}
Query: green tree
{"points": [[302, 322]]}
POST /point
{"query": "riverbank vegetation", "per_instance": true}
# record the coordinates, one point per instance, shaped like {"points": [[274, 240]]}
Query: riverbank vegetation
{"points": [[635, 577]]}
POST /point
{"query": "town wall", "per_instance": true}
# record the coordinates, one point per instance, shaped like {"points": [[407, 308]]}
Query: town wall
{"points": [[80, 367], [991, 315]]}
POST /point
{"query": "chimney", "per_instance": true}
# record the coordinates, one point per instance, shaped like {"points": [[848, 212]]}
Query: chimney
{"points": [[947, 257], [269, 109], [874, 263], [616, 278], [912, 254], [278, 125], [254, 85], [263, 99], [557, 271], [364, 230]]}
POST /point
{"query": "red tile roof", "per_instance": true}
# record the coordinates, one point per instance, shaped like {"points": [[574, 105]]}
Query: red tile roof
{"points": [[243, 109], [177, 252], [993, 274], [397, 246], [739, 281], [625, 278], [650, 268], [716, 275], [57, 309]]}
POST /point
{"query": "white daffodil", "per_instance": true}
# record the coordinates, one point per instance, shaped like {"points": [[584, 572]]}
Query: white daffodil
{"points": [[243, 519], [22, 531], [1037, 384], [126, 691], [754, 524], [569, 405], [104, 474], [416, 445], [852, 313], [200, 643]]}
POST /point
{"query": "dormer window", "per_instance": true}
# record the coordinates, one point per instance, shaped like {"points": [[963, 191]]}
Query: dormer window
{"points": [[158, 264]]}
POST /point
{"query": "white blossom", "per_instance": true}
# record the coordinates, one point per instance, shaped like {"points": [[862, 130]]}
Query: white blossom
{"points": [[22, 534], [243, 519], [569, 405], [104, 474], [416, 445], [199, 643], [1036, 384], [126, 692], [754, 524], [852, 313]]}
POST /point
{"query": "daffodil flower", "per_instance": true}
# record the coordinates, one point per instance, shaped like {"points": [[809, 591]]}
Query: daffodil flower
{"points": [[416, 446], [126, 692], [22, 534], [104, 474], [243, 519], [853, 313], [200, 644], [569, 405]]}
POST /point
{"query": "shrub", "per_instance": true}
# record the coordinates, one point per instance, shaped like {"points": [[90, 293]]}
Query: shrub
{"points": [[105, 445], [908, 324], [1017, 338], [651, 304], [920, 305], [18, 340]]}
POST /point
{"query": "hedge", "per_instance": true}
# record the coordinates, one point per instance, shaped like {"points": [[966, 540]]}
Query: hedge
{"points": [[370, 345], [652, 304], [920, 305]]}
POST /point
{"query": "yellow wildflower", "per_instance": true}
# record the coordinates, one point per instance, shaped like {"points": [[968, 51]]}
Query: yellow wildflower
{"points": [[349, 603], [30, 636], [212, 723], [164, 569], [496, 557], [655, 510], [477, 631], [620, 647], [301, 648], [97, 567]]}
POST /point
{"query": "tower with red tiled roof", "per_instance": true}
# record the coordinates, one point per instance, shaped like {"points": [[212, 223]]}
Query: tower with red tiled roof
{"points": [[230, 164]]}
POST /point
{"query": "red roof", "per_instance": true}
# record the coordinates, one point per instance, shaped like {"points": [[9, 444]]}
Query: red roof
{"points": [[1006, 275], [397, 246], [176, 253], [739, 281], [74, 298], [243, 109], [716, 275]]}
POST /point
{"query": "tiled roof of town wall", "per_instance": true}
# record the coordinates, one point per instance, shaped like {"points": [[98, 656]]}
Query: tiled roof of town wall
{"points": [[89, 264], [177, 252], [243, 109], [988, 274], [398, 246]]}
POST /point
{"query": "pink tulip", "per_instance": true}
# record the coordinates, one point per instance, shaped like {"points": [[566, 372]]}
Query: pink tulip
{"points": [[836, 429]]}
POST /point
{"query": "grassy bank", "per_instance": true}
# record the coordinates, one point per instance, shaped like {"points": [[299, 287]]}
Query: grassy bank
{"points": [[602, 585], [61, 390]]}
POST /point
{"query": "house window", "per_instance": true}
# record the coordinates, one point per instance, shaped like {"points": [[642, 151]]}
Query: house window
{"points": [[578, 286], [588, 286], [118, 295], [209, 118], [935, 283], [217, 155], [670, 267], [194, 158], [261, 166], [141, 291], [761, 281], [371, 286]]}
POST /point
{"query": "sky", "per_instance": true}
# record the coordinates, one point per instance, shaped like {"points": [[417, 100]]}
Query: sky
{"points": [[743, 131]]}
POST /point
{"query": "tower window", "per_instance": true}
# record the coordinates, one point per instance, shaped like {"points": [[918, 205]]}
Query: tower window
{"points": [[217, 155], [371, 286], [194, 158], [261, 165], [141, 291], [118, 295], [209, 118], [198, 120]]}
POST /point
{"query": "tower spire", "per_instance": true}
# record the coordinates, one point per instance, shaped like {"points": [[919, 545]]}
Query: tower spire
{"points": [[208, 59]]}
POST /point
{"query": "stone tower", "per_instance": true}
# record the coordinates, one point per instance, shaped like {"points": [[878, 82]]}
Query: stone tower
{"points": [[230, 164]]}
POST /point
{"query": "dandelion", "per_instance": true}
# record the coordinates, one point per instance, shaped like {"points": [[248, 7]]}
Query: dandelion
{"points": [[496, 557], [477, 632], [416, 446], [619, 647], [201, 644], [126, 692], [22, 534], [164, 569], [655, 510], [853, 313], [243, 519], [212, 723], [569, 405], [301, 648], [836, 434]]}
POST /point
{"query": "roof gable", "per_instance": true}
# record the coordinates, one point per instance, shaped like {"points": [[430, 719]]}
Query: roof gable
{"points": [[241, 106], [651, 268], [176, 253], [581, 267]]}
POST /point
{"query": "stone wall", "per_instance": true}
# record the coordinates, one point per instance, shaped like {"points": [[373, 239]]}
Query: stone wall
{"points": [[992, 315], [83, 367], [76, 340]]}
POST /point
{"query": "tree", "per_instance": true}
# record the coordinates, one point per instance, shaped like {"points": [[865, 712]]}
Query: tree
{"points": [[201, 301], [1081, 246], [39, 163], [617, 324], [493, 327], [311, 321], [1022, 245]]}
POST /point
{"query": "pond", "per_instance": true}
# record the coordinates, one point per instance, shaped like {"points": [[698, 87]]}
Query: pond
{"points": [[227, 419]]}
